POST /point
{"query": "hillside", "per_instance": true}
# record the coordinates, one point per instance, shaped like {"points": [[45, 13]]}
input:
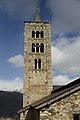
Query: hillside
{"points": [[10, 103]]}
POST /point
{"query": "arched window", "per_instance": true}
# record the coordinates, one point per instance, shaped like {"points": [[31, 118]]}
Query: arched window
{"points": [[33, 34], [33, 47], [42, 34], [39, 63], [42, 47], [37, 47], [35, 63], [37, 34]]}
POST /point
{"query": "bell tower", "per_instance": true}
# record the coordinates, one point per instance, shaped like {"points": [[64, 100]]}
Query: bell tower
{"points": [[37, 60]]}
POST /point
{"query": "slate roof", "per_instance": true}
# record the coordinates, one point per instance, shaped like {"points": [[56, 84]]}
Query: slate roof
{"points": [[55, 87], [55, 96]]}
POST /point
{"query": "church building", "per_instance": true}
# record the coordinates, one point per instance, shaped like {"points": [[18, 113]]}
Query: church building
{"points": [[40, 101]]}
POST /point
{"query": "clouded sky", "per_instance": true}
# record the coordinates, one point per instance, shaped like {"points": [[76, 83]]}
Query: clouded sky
{"points": [[65, 20]]}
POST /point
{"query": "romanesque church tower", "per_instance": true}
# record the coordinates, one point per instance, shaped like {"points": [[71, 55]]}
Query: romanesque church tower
{"points": [[37, 60]]}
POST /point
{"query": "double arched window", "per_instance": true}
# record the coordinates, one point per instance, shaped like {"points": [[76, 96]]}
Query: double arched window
{"points": [[37, 34], [37, 47], [37, 63]]}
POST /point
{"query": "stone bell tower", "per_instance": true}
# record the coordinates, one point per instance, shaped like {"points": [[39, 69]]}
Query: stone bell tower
{"points": [[37, 60]]}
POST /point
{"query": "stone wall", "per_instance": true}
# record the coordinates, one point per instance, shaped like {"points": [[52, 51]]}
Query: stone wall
{"points": [[37, 82], [31, 114], [63, 109], [7, 118]]}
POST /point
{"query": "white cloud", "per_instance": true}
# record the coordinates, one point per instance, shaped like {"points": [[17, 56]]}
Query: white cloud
{"points": [[12, 85], [66, 58], [57, 55], [61, 80], [16, 61]]}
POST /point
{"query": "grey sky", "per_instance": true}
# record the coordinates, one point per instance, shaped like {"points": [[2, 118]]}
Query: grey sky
{"points": [[66, 14], [18, 9]]}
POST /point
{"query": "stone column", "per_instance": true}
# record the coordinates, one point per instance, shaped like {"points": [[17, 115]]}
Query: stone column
{"points": [[33, 114]]}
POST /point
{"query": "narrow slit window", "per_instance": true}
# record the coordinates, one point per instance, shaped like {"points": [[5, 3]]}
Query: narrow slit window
{"points": [[39, 63], [42, 34], [37, 47], [35, 63], [33, 34], [42, 47], [33, 47], [37, 34]]}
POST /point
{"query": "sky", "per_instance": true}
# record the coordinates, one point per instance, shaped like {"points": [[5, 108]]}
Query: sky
{"points": [[64, 16]]}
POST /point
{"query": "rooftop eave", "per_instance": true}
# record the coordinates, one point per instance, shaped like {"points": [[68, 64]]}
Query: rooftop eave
{"points": [[55, 96]]}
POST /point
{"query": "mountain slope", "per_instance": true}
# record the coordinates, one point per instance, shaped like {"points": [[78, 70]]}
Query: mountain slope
{"points": [[10, 103]]}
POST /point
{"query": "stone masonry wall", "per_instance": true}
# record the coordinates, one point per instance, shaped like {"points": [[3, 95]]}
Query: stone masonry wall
{"points": [[37, 83], [63, 109], [7, 118]]}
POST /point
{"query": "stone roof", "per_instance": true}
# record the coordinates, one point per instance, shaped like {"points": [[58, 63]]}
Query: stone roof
{"points": [[37, 17], [55, 96]]}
